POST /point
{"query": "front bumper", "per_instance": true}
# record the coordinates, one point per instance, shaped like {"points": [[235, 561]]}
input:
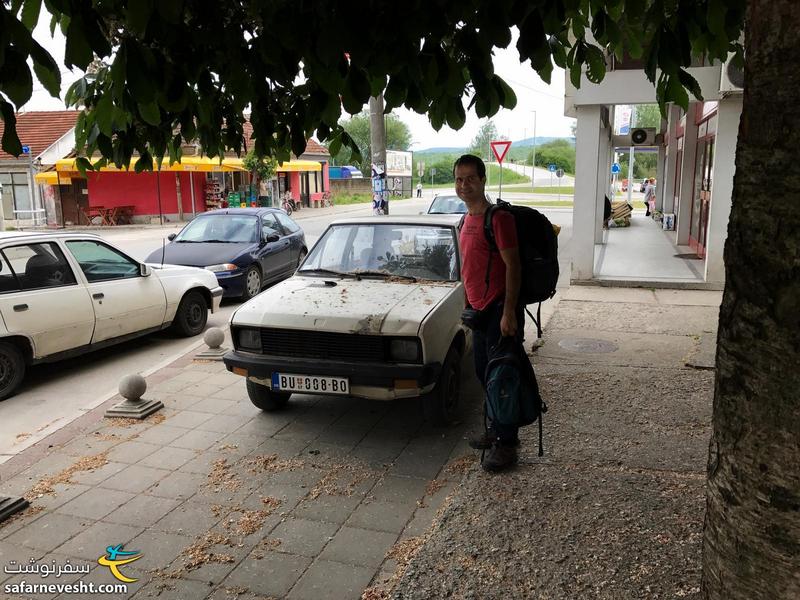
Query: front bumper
{"points": [[374, 381], [216, 298], [231, 282]]}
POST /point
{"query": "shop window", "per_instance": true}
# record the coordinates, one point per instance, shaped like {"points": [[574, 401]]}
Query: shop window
{"points": [[16, 196]]}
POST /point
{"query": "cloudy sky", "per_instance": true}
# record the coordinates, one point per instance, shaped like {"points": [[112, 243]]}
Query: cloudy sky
{"points": [[532, 95]]}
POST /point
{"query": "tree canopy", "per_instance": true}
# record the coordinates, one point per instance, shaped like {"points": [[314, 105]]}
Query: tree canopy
{"points": [[479, 146], [171, 71]]}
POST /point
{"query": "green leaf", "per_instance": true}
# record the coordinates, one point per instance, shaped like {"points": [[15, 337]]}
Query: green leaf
{"points": [[690, 83], [118, 74], [150, 112], [336, 145], [15, 77], [83, 164], [144, 163], [676, 93], [80, 131], [10, 140], [506, 95], [77, 51], [30, 13], [356, 90], [104, 115], [596, 64], [140, 83], [456, 116], [46, 69], [170, 10], [138, 15]]}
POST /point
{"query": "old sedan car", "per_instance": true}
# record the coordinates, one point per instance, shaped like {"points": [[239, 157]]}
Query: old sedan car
{"points": [[373, 312], [246, 248], [62, 294], [444, 204]]}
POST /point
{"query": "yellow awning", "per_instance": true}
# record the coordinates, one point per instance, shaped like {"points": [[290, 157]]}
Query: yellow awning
{"points": [[53, 178], [188, 163], [299, 165]]}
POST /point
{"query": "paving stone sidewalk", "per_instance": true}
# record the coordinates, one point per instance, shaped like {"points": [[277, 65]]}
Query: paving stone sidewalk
{"points": [[614, 510], [224, 501]]}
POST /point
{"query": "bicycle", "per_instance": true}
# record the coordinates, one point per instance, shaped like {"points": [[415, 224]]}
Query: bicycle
{"points": [[327, 201], [287, 204]]}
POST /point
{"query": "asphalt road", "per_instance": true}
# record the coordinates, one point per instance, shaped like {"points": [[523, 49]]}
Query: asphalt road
{"points": [[55, 394]]}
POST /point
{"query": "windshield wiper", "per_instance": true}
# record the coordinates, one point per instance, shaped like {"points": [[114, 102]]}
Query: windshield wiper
{"points": [[329, 272], [217, 241], [385, 274]]}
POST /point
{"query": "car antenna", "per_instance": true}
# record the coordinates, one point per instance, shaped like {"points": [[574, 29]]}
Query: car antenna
{"points": [[163, 250]]}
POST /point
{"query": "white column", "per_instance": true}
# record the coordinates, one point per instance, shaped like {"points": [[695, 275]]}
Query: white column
{"points": [[666, 188], [687, 180], [603, 176], [584, 213], [723, 169]]}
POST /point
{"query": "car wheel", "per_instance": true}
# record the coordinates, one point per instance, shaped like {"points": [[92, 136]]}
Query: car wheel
{"points": [[252, 282], [12, 369], [441, 405], [303, 254], [192, 315], [265, 399]]}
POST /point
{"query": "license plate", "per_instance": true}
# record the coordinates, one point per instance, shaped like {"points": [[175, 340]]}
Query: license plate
{"points": [[310, 384]]}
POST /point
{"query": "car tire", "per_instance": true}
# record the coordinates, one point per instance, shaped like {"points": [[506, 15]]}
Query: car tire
{"points": [[12, 369], [191, 316], [252, 283], [264, 398], [441, 405]]}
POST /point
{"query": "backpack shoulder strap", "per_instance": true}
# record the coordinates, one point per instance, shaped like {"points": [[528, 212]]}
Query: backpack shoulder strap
{"points": [[488, 227], [460, 225]]}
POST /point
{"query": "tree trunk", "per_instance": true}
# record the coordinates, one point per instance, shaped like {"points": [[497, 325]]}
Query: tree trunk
{"points": [[751, 546]]}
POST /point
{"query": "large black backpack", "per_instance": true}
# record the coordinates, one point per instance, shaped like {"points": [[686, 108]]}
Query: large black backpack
{"points": [[538, 254]]}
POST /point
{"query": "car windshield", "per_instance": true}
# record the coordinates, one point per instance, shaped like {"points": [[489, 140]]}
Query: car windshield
{"points": [[384, 250], [221, 228], [447, 205]]}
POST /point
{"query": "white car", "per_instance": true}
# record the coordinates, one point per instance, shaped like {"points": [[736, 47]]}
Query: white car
{"points": [[374, 311], [62, 294]]}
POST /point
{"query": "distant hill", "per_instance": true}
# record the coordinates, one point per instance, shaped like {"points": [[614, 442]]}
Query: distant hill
{"points": [[515, 143]]}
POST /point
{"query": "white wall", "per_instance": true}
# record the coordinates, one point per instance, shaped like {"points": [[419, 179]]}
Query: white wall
{"points": [[585, 217], [687, 183], [633, 87], [728, 115]]}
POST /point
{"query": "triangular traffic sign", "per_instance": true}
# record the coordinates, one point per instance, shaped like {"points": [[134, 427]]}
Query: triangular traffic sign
{"points": [[500, 149]]}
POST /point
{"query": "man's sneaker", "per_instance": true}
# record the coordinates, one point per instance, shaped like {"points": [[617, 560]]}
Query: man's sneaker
{"points": [[499, 457], [485, 440]]}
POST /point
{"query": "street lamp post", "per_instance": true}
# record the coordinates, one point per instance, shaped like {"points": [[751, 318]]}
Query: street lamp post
{"points": [[533, 161]]}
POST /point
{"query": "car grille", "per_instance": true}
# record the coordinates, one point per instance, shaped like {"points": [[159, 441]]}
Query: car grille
{"points": [[323, 345]]}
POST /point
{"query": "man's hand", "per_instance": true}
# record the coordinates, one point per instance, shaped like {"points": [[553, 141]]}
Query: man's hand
{"points": [[508, 324]]}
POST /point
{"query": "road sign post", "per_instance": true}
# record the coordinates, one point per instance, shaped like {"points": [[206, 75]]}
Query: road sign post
{"points": [[559, 174], [500, 149]]}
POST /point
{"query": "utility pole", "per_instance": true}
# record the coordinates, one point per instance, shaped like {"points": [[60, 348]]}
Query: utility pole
{"points": [[377, 142], [533, 160]]}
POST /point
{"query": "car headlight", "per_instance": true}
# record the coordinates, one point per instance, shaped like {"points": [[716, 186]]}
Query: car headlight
{"points": [[249, 339], [407, 350], [222, 267]]}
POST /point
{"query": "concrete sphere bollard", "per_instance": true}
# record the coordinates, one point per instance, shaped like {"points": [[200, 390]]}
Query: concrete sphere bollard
{"points": [[214, 337], [132, 387]]}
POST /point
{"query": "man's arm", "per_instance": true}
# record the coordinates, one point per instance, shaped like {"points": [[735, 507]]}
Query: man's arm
{"points": [[508, 323]]}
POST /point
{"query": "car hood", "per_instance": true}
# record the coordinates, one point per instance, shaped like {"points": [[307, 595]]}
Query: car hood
{"points": [[182, 273], [200, 254], [368, 306]]}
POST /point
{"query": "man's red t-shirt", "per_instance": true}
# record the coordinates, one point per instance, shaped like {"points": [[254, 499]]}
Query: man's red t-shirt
{"points": [[475, 252]]}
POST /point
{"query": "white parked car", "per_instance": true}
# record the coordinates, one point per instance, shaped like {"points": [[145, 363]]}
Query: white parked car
{"points": [[62, 294], [374, 311]]}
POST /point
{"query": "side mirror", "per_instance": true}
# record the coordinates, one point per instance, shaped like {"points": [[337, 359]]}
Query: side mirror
{"points": [[145, 270], [273, 237], [172, 236]]}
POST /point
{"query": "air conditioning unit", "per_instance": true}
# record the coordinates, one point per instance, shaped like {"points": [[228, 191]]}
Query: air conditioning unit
{"points": [[731, 80], [643, 136]]}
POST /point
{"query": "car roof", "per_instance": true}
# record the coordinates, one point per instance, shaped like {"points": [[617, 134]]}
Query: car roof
{"points": [[18, 235], [241, 211], [447, 220]]}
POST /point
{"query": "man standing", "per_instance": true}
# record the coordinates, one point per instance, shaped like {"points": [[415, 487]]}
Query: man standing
{"points": [[419, 190], [491, 285], [649, 194]]}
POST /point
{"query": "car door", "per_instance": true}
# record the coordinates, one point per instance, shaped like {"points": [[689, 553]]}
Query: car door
{"points": [[42, 299], [276, 255], [124, 300], [295, 235]]}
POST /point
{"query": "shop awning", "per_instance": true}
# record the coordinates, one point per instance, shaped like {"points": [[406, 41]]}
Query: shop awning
{"points": [[299, 165], [188, 163], [53, 178]]}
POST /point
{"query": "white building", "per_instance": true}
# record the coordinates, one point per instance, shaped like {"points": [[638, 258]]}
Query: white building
{"points": [[695, 182]]}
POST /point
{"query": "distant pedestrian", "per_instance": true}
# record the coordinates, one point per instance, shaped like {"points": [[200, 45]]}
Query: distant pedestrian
{"points": [[419, 190], [649, 195]]}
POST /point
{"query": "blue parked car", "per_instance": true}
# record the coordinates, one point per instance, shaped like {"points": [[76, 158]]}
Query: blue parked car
{"points": [[246, 248]]}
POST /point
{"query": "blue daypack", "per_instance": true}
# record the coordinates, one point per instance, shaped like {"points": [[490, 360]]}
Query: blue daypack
{"points": [[512, 392]]}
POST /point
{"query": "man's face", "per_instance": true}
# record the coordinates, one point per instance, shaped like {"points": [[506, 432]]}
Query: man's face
{"points": [[469, 185]]}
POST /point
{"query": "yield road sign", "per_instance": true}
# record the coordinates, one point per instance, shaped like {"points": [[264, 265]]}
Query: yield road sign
{"points": [[500, 148]]}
